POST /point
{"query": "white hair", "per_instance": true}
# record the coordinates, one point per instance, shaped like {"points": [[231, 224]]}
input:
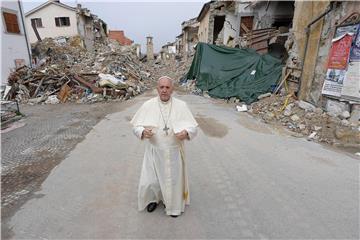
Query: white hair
{"points": [[166, 77]]}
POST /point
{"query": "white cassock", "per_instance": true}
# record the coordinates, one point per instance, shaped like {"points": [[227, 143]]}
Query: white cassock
{"points": [[163, 175]]}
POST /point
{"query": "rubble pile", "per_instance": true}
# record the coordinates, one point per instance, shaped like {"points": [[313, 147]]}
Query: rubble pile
{"points": [[306, 120], [176, 69], [67, 72]]}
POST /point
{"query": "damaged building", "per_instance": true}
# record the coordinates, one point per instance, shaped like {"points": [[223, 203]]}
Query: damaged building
{"points": [[168, 52], [218, 23], [324, 55], [55, 19], [189, 36], [119, 36], [303, 34], [245, 24]]}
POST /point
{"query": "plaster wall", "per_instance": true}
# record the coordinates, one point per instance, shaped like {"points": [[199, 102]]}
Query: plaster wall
{"points": [[49, 29]]}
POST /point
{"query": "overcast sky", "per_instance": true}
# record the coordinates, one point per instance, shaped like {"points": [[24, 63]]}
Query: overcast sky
{"points": [[159, 19]]}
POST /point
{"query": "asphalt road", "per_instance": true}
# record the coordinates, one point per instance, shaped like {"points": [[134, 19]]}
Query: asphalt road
{"points": [[246, 181]]}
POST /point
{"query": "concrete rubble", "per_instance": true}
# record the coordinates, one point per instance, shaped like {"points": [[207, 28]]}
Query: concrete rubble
{"points": [[65, 71], [306, 120]]}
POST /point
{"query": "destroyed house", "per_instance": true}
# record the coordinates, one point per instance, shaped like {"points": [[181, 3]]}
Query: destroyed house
{"points": [[189, 36], [324, 54], [168, 51], [54, 19], [218, 23], [245, 24], [179, 44]]}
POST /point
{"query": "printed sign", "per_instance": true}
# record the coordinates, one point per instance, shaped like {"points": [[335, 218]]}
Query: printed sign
{"points": [[355, 49], [340, 51], [351, 85], [333, 82], [352, 29]]}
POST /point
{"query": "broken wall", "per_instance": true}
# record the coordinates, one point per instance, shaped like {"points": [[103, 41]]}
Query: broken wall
{"points": [[203, 32], [231, 29], [331, 20], [273, 14], [313, 9], [85, 28], [223, 23], [190, 38]]}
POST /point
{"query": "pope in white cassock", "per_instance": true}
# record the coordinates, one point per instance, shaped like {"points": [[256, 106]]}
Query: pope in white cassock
{"points": [[164, 122]]}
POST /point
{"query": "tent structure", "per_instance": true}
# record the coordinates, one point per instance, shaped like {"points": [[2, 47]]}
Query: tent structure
{"points": [[231, 72]]}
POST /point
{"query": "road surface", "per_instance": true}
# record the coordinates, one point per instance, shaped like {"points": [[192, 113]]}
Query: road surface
{"points": [[246, 181]]}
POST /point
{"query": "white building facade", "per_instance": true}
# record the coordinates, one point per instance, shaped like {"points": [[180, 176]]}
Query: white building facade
{"points": [[52, 19], [15, 47]]}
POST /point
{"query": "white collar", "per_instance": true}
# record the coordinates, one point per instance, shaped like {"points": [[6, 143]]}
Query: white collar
{"points": [[165, 103]]}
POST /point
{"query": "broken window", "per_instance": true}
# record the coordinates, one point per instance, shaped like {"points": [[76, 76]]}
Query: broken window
{"points": [[246, 24], [37, 22], [282, 22], [11, 22], [218, 26], [62, 21]]}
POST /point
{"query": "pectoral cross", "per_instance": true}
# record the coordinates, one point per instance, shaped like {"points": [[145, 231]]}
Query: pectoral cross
{"points": [[166, 129]]}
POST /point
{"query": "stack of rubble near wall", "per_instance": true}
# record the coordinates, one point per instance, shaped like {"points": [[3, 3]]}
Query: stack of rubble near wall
{"points": [[261, 39], [258, 39], [67, 72], [307, 120]]}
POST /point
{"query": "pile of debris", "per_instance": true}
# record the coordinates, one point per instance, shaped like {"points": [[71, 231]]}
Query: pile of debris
{"points": [[65, 71], [306, 120], [177, 70]]}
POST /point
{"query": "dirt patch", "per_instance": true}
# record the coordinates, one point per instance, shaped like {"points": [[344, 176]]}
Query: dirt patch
{"points": [[211, 127], [251, 124]]}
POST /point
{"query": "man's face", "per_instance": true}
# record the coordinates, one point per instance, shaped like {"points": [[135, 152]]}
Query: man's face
{"points": [[164, 89]]}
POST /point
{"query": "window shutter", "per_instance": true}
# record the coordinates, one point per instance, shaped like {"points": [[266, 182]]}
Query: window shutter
{"points": [[11, 22]]}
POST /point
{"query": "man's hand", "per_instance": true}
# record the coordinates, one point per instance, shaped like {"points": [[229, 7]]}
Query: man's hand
{"points": [[182, 135], [147, 133]]}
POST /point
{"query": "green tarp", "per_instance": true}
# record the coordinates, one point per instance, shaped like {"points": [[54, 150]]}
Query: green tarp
{"points": [[231, 72]]}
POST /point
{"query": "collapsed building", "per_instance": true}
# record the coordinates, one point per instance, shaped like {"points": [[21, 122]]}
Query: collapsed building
{"points": [[317, 44], [324, 54], [303, 34], [189, 35], [168, 52], [54, 19]]}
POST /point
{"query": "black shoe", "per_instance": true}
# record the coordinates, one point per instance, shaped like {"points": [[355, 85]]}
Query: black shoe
{"points": [[151, 207], [174, 216]]}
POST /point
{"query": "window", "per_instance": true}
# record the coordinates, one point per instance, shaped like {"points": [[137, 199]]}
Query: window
{"points": [[246, 24], [11, 22], [37, 22], [62, 21]]}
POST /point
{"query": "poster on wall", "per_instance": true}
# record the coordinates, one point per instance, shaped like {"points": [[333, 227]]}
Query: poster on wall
{"points": [[351, 82], [334, 82], [352, 29], [355, 49], [340, 51]]}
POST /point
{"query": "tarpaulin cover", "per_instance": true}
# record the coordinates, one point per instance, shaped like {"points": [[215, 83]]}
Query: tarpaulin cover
{"points": [[231, 72]]}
